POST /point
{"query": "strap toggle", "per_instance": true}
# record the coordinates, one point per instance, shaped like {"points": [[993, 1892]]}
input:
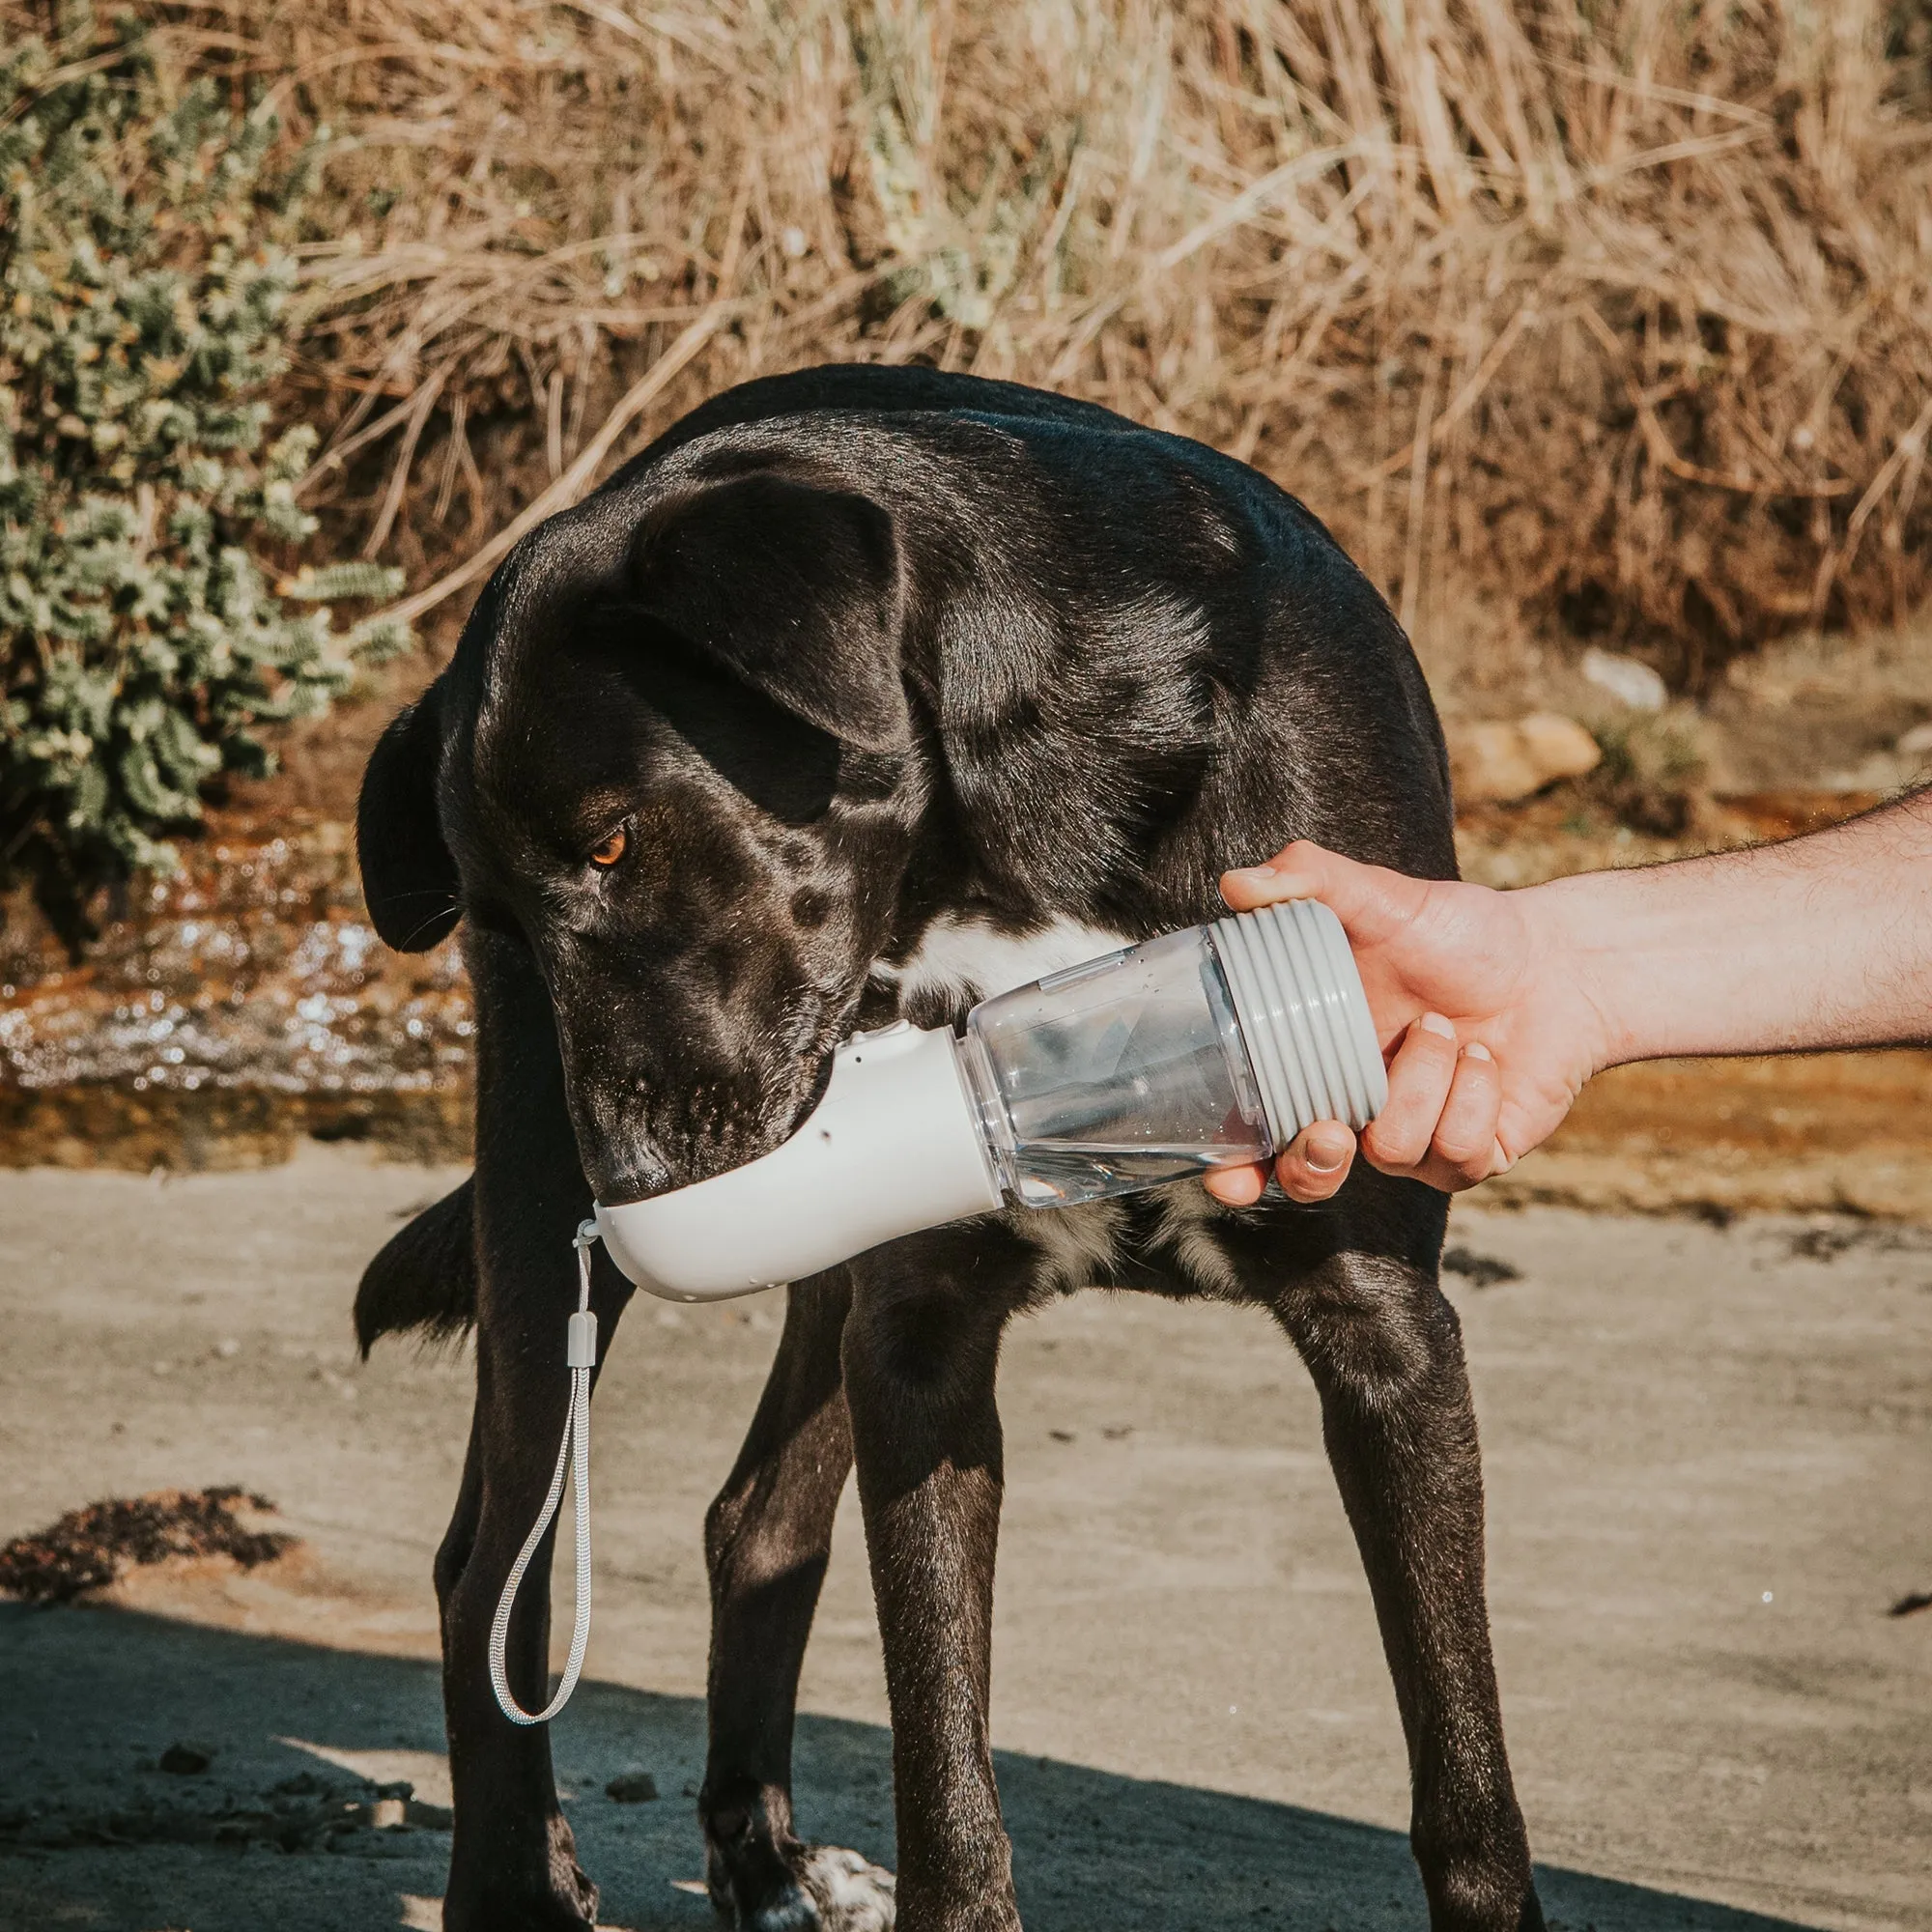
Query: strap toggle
{"points": [[581, 1347]]}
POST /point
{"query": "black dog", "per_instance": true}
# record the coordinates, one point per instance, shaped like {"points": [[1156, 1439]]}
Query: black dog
{"points": [[861, 693]]}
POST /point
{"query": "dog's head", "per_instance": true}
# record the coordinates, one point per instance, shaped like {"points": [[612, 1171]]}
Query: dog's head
{"points": [[673, 758]]}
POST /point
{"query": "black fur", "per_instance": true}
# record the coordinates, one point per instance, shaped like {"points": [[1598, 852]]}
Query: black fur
{"points": [[844, 654], [424, 1275], [409, 879]]}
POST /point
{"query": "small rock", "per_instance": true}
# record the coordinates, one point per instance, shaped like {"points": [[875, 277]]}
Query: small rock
{"points": [[1503, 760], [186, 1760], [228, 1348], [1627, 680], [631, 1787], [389, 1814], [1559, 745]]}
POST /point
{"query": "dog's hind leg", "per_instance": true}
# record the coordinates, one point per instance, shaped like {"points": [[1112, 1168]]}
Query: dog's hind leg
{"points": [[767, 1539], [513, 1861], [1385, 1351]]}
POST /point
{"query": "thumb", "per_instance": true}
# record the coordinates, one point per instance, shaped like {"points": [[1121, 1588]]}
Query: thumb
{"points": [[1371, 902]]}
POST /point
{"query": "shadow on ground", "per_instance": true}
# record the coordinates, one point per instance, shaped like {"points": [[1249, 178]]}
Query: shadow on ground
{"points": [[275, 1829]]}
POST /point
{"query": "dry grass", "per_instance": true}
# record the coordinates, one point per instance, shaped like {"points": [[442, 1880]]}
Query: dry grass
{"points": [[1617, 310]]}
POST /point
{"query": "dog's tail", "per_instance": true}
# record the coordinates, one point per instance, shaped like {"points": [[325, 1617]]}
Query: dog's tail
{"points": [[425, 1276]]}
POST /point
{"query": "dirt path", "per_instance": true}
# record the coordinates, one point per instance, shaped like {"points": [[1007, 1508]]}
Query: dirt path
{"points": [[1710, 1457]]}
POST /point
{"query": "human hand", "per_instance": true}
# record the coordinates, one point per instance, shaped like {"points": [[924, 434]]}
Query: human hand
{"points": [[1485, 1024]]}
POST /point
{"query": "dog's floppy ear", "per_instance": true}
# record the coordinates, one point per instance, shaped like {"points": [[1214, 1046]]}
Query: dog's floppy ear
{"points": [[409, 879], [794, 589]]}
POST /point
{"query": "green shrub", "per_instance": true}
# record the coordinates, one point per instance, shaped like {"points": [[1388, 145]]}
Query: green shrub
{"points": [[145, 285], [1651, 770]]}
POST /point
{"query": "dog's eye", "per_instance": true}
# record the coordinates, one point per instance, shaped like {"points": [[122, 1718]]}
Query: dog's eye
{"points": [[611, 849]]}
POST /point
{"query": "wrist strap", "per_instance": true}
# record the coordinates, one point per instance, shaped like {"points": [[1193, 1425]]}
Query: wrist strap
{"points": [[573, 1454]]}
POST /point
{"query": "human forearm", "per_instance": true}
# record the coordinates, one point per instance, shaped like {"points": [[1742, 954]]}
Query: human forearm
{"points": [[1819, 942]]}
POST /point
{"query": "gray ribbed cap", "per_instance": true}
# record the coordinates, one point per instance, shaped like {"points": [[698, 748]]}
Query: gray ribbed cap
{"points": [[1303, 1015]]}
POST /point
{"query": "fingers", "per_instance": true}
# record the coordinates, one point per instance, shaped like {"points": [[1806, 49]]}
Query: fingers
{"points": [[1419, 1079], [1439, 1121], [1438, 1125], [1310, 1168], [1315, 1162], [1462, 1149], [1236, 1186]]}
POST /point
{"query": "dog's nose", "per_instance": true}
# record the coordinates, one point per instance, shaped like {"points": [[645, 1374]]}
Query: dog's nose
{"points": [[621, 1190], [622, 1169]]}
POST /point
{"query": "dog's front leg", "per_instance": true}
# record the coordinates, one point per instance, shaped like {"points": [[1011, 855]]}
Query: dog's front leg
{"points": [[513, 1861], [767, 1541], [922, 1350], [1385, 1351]]}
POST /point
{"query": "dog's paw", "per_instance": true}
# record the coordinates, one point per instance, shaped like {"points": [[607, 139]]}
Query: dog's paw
{"points": [[851, 1894], [827, 1890]]}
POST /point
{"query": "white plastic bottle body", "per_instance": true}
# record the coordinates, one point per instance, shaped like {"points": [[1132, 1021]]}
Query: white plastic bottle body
{"points": [[1201, 1049]]}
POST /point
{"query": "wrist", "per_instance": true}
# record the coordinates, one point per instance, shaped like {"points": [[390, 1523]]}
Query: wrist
{"points": [[1578, 939]]}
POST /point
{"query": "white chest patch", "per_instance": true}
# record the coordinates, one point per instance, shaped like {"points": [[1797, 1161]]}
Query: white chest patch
{"points": [[966, 959]]}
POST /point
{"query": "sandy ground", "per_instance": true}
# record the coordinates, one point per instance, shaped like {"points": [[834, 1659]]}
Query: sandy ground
{"points": [[1710, 1461]]}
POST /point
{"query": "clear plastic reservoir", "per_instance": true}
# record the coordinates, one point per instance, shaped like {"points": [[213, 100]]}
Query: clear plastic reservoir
{"points": [[1115, 1075]]}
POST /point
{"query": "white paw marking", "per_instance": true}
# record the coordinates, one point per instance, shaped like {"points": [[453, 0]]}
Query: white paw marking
{"points": [[852, 1894], [965, 960]]}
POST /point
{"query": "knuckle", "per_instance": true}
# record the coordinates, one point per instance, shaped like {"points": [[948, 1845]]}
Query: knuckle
{"points": [[1402, 1141], [1434, 1049], [1463, 1145]]}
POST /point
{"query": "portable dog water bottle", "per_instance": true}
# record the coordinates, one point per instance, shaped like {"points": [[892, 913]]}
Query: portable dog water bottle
{"points": [[1206, 1048]]}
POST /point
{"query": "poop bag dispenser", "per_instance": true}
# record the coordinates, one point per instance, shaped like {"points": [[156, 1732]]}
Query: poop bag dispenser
{"points": [[1211, 1047]]}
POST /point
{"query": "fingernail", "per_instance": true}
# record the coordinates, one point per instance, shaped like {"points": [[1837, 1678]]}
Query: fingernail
{"points": [[1324, 1156], [1254, 872], [1434, 1023], [1476, 1050]]}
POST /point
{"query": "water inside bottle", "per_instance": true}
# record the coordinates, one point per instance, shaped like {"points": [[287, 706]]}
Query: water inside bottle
{"points": [[1121, 1074], [1061, 1173]]}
